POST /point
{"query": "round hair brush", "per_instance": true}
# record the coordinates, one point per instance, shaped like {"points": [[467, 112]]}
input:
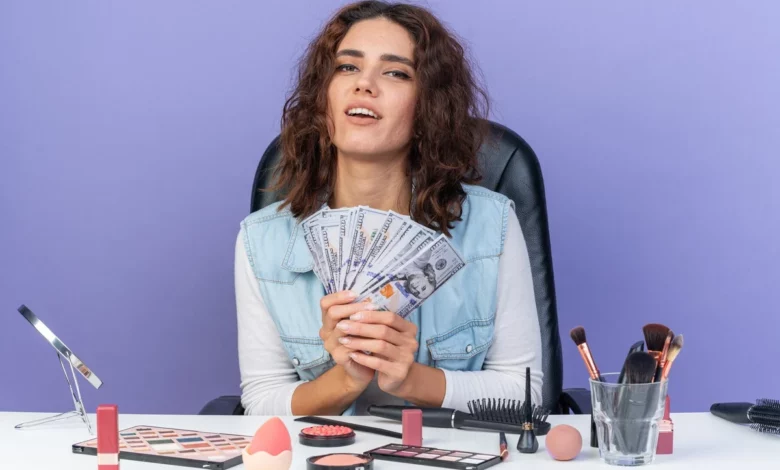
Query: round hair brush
{"points": [[764, 414]]}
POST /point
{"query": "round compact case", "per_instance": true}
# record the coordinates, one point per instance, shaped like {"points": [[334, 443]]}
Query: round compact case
{"points": [[327, 436], [340, 462]]}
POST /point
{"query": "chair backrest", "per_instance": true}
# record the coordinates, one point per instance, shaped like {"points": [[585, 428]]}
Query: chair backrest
{"points": [[509, 166]]}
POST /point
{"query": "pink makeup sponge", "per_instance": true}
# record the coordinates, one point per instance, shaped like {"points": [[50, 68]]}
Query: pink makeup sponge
{"points": [[563, 442], [270, 448]]}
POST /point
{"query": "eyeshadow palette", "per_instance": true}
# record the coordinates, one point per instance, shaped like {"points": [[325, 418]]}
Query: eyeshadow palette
{"points": [[212, 451], [434, 457]]}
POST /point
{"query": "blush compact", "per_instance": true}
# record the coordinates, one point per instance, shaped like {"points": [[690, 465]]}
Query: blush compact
{"points": [[327, 436], [340, 462]]}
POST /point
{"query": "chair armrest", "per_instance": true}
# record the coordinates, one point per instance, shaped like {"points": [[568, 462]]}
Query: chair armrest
{"points": [[575, 400], [224, 405]]}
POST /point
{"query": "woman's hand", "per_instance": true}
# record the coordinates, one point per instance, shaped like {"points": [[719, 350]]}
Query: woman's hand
{"points": [[336, 307], [391, 340]]}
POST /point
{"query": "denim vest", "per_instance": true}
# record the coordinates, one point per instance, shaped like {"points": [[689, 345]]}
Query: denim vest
{"points": [[455, 324]]}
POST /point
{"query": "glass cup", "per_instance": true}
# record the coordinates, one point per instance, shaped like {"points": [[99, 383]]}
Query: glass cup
{"points": [[627, 417]]}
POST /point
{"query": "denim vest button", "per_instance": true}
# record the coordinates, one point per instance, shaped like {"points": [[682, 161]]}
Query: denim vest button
{"points": [[296, 361], [469, 348]]}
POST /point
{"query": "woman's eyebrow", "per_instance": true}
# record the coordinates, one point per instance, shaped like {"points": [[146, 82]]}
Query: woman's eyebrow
{"points": [[383, 57]]}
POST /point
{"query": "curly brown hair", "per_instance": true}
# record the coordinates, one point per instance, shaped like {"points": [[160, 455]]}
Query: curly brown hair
{"points": [[449, 126]]}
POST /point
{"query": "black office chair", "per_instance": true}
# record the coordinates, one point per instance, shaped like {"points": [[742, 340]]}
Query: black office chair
{"points": [[510, 167]]}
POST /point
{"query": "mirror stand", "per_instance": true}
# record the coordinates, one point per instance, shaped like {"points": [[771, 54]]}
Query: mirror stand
{"points": [[78, 403]]}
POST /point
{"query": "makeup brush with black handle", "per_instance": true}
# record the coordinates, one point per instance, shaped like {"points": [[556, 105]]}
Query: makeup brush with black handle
{"points": [[636, 347], [640, 369], [443, 418]]}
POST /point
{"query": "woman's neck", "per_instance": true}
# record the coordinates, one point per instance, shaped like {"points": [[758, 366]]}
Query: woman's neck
{"points": [[380, 185]]}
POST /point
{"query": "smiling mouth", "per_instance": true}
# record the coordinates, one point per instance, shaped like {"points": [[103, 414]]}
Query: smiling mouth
{"points": [[363, 113]]}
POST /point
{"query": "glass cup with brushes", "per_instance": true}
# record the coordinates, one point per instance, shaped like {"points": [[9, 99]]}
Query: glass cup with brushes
{"points": [[629, 406]]}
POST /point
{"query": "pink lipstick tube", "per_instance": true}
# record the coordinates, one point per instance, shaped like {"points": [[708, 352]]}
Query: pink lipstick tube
{"points": [[108, 437]]}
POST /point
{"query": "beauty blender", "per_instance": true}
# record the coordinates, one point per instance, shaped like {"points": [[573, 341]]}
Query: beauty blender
{"points": [[563, 442], [270, 448]]}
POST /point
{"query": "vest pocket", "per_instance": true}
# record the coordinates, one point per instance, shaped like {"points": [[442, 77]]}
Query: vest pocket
{"points": [[308, 355], [463, 348]]}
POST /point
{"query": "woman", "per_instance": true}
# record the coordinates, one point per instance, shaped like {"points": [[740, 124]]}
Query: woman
{"points": [[386, 114]]}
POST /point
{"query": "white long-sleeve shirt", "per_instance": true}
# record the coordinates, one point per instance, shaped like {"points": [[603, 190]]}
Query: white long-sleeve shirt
{"points": [[268, 377]]}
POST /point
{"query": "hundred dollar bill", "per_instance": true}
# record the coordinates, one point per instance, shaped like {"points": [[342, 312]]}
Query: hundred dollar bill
{"points": [[368, 222], [389, 228], [330, 228], [418, 279], [408, 249], [313, 239], [313, 245]]}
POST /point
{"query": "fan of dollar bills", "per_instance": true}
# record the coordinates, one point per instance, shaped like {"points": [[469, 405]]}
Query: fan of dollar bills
{"points": [[385, 257]]}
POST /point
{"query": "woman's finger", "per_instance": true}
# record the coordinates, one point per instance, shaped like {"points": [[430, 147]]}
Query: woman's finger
{"points": [[372, 331], [340, 312], [374, 346]]}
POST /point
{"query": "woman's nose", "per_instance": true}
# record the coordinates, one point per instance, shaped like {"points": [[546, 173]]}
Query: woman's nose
{"points": [[365, 84]]}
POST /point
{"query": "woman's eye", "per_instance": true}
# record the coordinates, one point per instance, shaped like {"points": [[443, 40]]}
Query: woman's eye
{"points": [[399, 74], [347, 68]]}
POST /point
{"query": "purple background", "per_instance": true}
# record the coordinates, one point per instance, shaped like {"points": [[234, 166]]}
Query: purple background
{"points": [[130, 132]]}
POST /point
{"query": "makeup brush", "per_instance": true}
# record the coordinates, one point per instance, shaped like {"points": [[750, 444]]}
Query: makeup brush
{"points": [[578, 336], [502, 446], [638, 346], [528, 444], [674, 350], [632, 405], [655, 337], [664, 353], [640, 368]]}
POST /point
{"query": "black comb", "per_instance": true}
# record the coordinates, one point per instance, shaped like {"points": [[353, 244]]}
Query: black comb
{"points": [[504, 410]]}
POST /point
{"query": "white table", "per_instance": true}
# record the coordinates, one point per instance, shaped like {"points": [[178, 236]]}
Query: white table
{"points": [[700, 441]]}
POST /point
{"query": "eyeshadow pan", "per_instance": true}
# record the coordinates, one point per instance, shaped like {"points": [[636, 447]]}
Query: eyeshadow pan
{"points": [[189, 439], [406, 453], [189, 434], [396, 446], [461, 454], [483, 457], [191, 451], [197, 445], [127, 434], [427, 456], [236, 439], [384, 451], [472, 461], [161, 447], [213, 436], [449, 458], [143, 429], [440, 452], [217, 440], [161, 441]]}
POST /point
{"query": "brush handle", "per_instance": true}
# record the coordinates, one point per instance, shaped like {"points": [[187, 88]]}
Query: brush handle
{"points": [[432, 417], [442, 418], [621, 398], [736, 412]]}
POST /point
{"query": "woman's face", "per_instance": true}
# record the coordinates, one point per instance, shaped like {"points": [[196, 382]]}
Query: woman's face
{"points": [[372, 95]]}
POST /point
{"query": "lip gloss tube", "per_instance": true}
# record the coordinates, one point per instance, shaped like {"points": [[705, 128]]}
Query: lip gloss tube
{"points": [[108, 437]]}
